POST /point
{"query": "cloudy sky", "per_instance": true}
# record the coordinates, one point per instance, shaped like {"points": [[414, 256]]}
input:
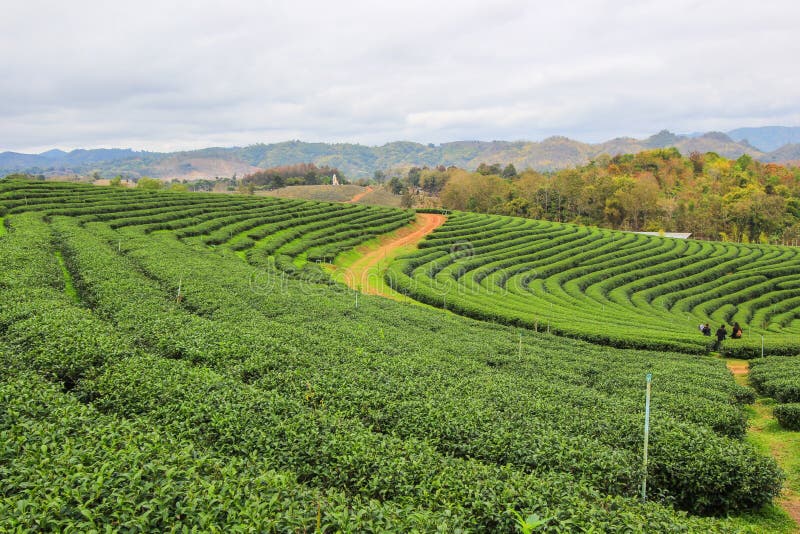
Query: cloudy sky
{"points": [[178, 75]]}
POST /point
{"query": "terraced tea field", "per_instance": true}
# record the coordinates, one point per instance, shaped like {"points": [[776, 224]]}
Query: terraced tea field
{"points": [[614, 288], [179, 361]]}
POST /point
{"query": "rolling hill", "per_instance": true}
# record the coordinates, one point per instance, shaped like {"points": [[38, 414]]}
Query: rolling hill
{"points": [[359, 161]]}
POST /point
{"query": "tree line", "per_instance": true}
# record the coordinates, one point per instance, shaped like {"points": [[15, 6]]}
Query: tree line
{"points": [[297, 174], [656, 190]]}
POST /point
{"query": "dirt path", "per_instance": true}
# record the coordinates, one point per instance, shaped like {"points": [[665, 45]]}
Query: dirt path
{"points": [[366, 273], [764, 430], [738, 368], [361, 195]]}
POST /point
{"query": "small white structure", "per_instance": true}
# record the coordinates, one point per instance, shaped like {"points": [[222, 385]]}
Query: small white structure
{"points": [[674, 235], [335, 180]]}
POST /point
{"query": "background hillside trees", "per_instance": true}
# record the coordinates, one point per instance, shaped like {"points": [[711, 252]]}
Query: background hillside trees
{"points": [[298, 174], [708, 195]]}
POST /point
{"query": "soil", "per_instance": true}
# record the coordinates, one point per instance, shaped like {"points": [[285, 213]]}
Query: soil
{"points": [[361, 195], [363, 272], [739, 369], [792, 507]]}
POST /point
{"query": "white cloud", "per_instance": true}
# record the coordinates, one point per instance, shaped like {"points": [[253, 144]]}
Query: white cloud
{"points": [[166, 75]]}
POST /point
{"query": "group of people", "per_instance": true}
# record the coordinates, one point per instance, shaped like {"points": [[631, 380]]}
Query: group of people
{"points": [[722, 333]]}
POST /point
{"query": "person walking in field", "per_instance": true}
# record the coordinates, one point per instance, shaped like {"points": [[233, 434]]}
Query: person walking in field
{"points": [[721, 335], [705, 329], [736, 331]]}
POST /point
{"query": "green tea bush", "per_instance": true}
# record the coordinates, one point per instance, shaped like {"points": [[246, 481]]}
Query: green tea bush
{"points": [[249, 392], [650, 292], [788, 415]]}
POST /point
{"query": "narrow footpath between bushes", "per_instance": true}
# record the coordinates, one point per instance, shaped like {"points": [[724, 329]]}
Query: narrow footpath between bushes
{"points": [[362, 269], [361, 195], [766, 434]]}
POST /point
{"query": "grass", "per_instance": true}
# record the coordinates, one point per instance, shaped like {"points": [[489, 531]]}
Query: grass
{"points": [[2, 226], [325, 193], [376, 284], [771, 519], [766, 435], [342, 269], [342, 193], [69, 287], [300, 260], [381, 197]]}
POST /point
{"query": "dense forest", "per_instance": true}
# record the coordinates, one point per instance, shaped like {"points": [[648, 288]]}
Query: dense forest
{"points": [[654, 190]]}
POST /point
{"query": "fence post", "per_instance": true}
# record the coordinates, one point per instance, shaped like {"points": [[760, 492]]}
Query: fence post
{"points": [[646, 434]]}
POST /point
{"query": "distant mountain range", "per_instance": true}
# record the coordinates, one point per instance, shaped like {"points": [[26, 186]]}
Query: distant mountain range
{"points": [[767, 138], [767, 144]]}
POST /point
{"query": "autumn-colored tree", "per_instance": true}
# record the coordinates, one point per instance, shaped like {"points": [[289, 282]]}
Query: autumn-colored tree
{"points": [[704, 194]]}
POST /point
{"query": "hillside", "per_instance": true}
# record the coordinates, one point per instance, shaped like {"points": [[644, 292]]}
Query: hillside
{"points": [[649, 291], [767, 138], [285, 402], [358, 161]]}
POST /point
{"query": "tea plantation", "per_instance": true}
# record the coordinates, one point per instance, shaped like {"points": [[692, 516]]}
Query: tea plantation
{"points": [[619, 289], [177, 361], [779, 378]]}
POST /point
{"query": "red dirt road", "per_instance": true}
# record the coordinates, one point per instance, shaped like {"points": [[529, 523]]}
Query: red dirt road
{"points": [[365, 271], [361, 195]]}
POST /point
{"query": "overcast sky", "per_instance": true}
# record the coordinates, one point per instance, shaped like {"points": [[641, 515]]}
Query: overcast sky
{"points": [[180, 75]]}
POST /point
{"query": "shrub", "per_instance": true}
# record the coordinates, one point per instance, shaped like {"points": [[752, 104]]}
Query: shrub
{"points": [[788, 415]]}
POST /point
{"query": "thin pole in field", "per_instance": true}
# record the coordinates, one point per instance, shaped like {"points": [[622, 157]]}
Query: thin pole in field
{"points": [[646, 433]]}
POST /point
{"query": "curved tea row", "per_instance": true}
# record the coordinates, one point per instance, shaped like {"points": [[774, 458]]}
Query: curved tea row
{"points": [[241, 397], [622, 289], [295, 235]]}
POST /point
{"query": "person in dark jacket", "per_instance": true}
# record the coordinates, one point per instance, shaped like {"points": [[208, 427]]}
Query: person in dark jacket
{"points": [[721, 335], [706, 329], [736, 331]]}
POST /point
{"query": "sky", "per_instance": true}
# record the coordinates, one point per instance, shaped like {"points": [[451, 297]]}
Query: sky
{"points": [[169, 76]]}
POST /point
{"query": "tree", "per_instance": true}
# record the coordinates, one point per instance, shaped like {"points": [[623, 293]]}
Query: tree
{"points": [[116, 181], [150, 184], [395, 186], [432, 181], [247, 188], [178, 188], [407, 200], [413, 176], [510, 171], [487, 170]]}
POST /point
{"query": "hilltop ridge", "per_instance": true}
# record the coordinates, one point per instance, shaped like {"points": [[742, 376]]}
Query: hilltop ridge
{"points": [[552, 153]]}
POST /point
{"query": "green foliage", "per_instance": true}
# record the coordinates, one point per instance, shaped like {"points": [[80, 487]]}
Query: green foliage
{"points": [[252, 400], [703, 194], [178, 188], [619, 289], [788, 415], [292, 175], [149, 184], [777, 377]]}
